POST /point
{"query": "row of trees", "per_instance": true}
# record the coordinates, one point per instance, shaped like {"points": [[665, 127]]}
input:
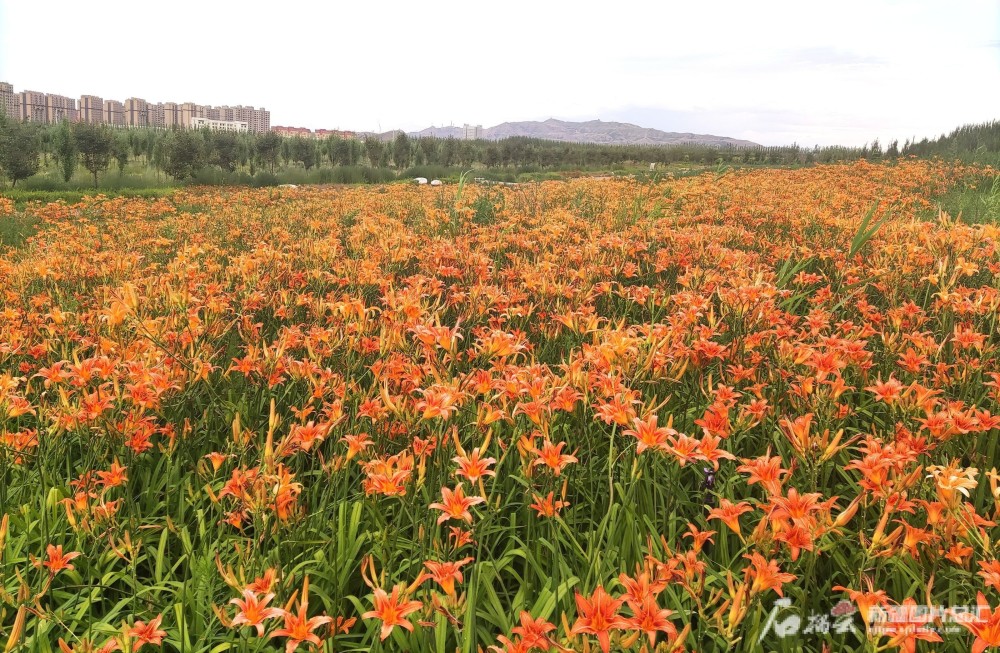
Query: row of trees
{"points": [[95, 148], [26, 147], [975, 142], [181, 154]]}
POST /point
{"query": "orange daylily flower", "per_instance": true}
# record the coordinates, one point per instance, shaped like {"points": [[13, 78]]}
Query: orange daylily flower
{"points": [[474, 467], [392, 610], [990, 571], [57, 561], [86, 646], [534, 632], [356, 443], [767, 471], [916, 627], [729, 513], [299, 627], [598, 615], [650, 618], [253, 611], [147, 633], [547, 507], [552, 457], [264, 583], [649, 434], [985, 626], [865, 600], [765, 575], [888, 391], [455, 505], [217, 458], [446, 574]]}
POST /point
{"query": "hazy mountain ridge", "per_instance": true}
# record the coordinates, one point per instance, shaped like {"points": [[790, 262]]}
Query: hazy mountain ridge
{"points": [[591, 131]]}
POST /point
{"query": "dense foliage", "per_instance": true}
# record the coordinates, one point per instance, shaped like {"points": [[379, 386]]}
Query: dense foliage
{"points": [[255, 159], [980, 142]]}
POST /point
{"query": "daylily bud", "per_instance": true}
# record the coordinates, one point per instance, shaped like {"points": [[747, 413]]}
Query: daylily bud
{"points": [[847, 513]]}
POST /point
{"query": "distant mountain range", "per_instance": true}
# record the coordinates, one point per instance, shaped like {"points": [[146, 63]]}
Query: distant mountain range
{"points": [[591, 131]]}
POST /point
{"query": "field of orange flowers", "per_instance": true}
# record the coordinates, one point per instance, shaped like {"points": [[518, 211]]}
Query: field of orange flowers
{"points": [[752, 411]]}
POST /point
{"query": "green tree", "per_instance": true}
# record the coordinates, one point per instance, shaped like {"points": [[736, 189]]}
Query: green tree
{"points": [[151, 142], [19, 150], [121, 150], [402, 153], [185, 154], [64, 148], [303, 150], [353, 151], [373, 150], [339, 151], [286, 151], [492, 156], [226, 148], [96, 145], [136, 141], [876, 149], [449, 151], [45, 145], [158, 156], [243, 149], [429, 148], [267, 148]]}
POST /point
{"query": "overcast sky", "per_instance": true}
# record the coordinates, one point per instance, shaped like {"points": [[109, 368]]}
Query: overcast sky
{"points": [[771, 72]]}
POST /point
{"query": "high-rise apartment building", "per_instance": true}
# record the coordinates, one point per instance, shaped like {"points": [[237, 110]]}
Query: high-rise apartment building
{"points": [[157, 115], [114, 113], [259, 120], [473, 132], [136, 112], [31, 107], [91, 109], [59, 108], [8, 101], [171, 115], [188, 112]]}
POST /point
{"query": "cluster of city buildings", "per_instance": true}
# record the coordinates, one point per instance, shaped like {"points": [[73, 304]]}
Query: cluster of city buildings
{"points": [[49, 108], [33, 106], [318, 134]]}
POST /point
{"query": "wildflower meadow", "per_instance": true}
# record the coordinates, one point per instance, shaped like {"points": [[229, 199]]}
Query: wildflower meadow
{"points": [[743, 410]]}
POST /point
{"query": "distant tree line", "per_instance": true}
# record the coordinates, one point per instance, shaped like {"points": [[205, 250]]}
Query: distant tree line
{"points": [[26, 148], [978, 142]]}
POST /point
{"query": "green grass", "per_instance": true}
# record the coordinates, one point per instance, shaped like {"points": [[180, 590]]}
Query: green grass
{"points": [[975, 202], [16, 229], [22, 196], [135, 176]]}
